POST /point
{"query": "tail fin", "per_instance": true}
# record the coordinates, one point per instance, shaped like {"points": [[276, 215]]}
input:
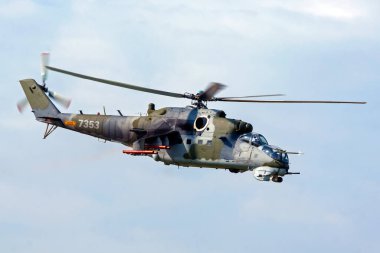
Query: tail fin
{"points": [[42, 107]]}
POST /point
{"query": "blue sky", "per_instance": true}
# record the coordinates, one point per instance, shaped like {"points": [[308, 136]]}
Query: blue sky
{"points": [[73, 193]]}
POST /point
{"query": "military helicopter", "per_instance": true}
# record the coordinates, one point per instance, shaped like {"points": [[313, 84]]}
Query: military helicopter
{"points": [[192, 136]]}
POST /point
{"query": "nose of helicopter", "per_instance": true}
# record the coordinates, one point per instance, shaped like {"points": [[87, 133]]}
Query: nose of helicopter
{"points": [[276, 153]]}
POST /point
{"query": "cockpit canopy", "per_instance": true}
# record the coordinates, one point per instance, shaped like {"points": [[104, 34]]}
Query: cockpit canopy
{"points": [[275, 153], [258, 140], [254, 139]]}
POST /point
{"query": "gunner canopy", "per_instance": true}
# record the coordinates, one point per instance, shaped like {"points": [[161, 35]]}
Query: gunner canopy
{"points": [[275, 153]]}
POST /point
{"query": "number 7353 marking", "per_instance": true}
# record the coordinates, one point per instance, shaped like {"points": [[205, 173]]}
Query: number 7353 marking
{"points": [[89, 123]]}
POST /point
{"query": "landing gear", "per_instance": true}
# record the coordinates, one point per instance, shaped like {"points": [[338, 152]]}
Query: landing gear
{"points": [[277, 179], [234, 170]]}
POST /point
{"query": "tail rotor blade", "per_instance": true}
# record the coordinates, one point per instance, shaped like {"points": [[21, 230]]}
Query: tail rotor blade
{"points": [[65, 102], [44, 62], [21, 105]]}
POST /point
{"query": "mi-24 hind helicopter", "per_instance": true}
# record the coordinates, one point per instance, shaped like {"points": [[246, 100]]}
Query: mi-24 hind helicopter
{"points": [[192, 136]]}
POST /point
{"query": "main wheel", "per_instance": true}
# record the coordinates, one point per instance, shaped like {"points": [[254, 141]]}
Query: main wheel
{"points": [[234, 170]]}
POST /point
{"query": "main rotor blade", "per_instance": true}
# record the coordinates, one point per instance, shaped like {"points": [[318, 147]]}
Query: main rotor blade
{"points": [[211, 90], [119, 84], [255, 96], [292, 101]]}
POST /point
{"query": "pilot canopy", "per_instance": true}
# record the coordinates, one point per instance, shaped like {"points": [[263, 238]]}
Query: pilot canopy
{"points": [[254, 139]]}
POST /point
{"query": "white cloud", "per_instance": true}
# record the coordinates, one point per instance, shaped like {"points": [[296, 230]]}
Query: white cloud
{"points": [[338, 9], [334, 11], [18, 8], [290, 207], [28, 204]]}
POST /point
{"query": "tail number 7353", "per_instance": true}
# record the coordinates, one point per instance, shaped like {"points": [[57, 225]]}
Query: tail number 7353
{"points": [[89, 123]]}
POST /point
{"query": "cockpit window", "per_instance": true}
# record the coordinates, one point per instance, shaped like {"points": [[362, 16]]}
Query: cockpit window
{"points": [[275, 153], [258, 140], [285, 158], [246, 138], [262, 139], [254, 139]]}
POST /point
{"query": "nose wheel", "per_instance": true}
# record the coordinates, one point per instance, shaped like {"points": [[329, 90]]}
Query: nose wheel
{"points": [[277, 179]]}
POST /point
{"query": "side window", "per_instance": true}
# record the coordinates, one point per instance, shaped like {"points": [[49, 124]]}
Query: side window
{"points": [[188, 141], [246, 138], [209, 142], [200, 142]]}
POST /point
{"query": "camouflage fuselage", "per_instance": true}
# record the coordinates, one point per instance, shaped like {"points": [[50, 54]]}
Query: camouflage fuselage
{"points": [[196, 137]]}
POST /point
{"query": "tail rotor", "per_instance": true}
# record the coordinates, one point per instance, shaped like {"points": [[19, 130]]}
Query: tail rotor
{"points": [[63, 101], [21, 105]]}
